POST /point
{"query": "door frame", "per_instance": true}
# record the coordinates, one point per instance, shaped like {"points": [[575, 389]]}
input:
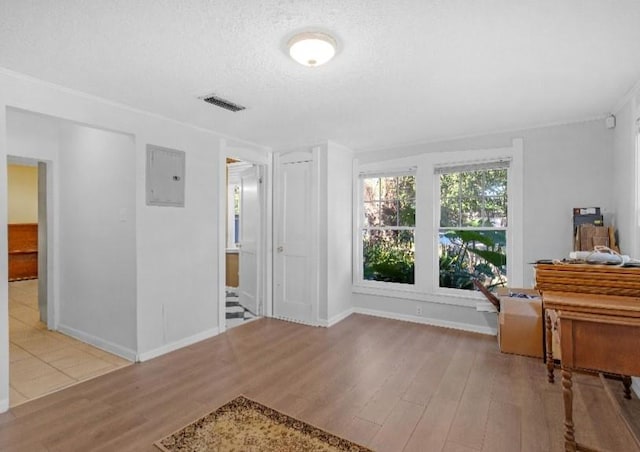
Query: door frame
{"points": [[264, 159], [46, 255]]}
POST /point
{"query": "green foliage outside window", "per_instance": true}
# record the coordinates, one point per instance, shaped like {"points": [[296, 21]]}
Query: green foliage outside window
{"points": [[473, 221], [473, 199], [468, 255], [389, 257], [472, 238]]}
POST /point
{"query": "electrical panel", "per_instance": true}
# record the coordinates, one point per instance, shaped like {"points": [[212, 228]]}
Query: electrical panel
{"points": [[165, 177]]}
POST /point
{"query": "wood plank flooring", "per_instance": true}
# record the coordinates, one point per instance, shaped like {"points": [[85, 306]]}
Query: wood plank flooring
{"points": [[391, 385]]}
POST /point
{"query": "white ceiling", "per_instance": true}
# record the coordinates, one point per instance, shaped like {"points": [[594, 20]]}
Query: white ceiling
{"points": [[407, 70]]}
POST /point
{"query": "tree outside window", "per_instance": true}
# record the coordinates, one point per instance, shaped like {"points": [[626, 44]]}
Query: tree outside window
{"points": [[388, 228], [473, 227]]}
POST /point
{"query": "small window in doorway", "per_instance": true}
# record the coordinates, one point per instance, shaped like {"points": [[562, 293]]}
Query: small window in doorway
{"points": [[236, 214]]}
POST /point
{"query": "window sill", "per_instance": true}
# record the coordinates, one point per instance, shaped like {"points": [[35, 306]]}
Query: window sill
{"points": [[440, 296]]}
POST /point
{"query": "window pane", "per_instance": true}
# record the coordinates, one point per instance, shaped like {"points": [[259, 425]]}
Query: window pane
{"points": [[496, 211], [407, 187], [449, 186], [388, 256], [389, 214], [495, 182], [371, 189], [465, 255], [371, 213], [472, 214], [474, 199], [236, 199], [471, 183], [449, 212], [389, 188], [407, 212]]}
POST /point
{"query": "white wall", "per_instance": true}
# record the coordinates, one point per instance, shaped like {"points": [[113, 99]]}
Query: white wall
{"points": [[23, 194], [565, 166], [177, 249], [339, 230], [93, 186], [335, 187], [31, 138], [626, 188], [625, 183], [97, 236], [178, 252]]}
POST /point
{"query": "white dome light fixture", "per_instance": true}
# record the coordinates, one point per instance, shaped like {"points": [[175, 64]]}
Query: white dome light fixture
{"points": [[312, 48]]}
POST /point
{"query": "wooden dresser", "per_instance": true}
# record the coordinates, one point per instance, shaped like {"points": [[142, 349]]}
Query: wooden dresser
{"points": [[598, 315], [23, 251]]}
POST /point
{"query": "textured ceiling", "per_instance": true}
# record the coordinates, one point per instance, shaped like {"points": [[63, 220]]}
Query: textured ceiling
{"points": [[406, 70]]}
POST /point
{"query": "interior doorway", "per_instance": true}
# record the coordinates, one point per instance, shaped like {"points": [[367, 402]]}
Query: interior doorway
{"points": [[27, 228], [41, 360], [244, 248]]}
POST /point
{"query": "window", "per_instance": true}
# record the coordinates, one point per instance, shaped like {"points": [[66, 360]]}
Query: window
{"points": [[236, 215], [388, 228], [472, 235], [428, 225]]}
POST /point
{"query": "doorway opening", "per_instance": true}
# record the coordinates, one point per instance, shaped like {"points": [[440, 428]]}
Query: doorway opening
{"points": [[41, 359], [244, 244]]}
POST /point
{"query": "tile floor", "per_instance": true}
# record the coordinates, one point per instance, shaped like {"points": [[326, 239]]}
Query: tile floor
{"points": [[236, 313], [43, 361]]}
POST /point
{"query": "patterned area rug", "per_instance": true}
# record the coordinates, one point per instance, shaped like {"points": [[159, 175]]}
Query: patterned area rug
{"points": [[247, 426]]}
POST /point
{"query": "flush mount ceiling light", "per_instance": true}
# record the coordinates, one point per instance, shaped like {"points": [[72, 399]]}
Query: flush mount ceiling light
{"points": [[312, 48]]}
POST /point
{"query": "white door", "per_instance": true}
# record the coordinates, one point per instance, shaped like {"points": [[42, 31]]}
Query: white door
{"points": [[295, 218], [250, 221]]}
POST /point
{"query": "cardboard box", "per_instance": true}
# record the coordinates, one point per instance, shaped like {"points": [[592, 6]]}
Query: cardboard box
{"points": [[520, 324]]}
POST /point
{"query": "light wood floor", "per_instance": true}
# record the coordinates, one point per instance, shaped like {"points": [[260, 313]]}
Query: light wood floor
{"points": [[392, 385]]}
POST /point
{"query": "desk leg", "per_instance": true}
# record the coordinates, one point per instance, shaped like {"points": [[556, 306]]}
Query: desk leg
{"points": [[626, 382], [567, 392], [549, 346]]}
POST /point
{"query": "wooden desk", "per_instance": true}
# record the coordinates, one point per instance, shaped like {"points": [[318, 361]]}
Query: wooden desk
{"points": [[597, 332]]}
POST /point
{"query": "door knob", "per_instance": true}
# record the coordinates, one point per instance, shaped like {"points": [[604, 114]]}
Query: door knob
{"points": [[280, 249]]}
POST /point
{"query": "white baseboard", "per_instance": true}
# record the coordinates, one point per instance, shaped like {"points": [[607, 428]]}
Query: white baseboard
{"points": [[636, 385], [428, 321], [102, 344], [336, 318], [4, 405], [301, 322], [173, 346]]}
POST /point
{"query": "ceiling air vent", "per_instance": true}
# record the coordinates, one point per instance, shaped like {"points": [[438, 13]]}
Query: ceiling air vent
{"points": [[222, 103]]}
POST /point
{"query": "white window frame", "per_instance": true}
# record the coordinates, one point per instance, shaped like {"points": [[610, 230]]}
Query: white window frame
{"points": [[401, 171], [437, 226], [427, 288], [399, 167]]}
